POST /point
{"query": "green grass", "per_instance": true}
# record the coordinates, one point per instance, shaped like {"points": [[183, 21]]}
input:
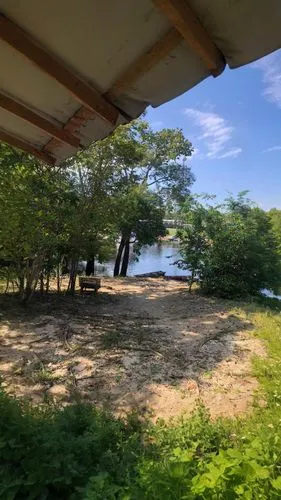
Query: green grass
{"points": [[44, 376], [80, 452]]}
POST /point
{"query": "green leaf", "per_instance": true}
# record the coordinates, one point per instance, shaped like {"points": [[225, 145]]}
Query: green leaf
{"points": [[276, 483]]}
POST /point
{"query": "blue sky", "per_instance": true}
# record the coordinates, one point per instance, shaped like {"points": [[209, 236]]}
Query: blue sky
{"points": [[234, 124]]}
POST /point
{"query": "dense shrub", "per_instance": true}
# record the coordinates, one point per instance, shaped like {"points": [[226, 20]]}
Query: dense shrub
{"points": [[54, 453], [231, 248]]}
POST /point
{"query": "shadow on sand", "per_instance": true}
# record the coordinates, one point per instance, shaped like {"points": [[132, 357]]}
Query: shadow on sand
{"points": [[115, 348]]}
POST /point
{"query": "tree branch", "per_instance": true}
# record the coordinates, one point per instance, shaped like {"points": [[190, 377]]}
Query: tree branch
{"points": [[158, 180]]}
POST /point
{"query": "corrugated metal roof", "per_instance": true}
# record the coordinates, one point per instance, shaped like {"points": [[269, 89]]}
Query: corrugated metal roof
{"points": [[151, 50]]}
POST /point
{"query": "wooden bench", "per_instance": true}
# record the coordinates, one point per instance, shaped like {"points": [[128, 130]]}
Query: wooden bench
{"points": [[87, 282]]}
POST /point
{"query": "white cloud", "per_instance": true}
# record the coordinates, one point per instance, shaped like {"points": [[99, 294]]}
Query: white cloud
{"points": [[271, 70], [216, 133], [232, 153], [274, 148]]}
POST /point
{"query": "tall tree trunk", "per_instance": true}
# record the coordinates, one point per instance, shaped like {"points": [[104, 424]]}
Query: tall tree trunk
{"points": [[118, 257], [126, 256], [90, 267], [7, 284], [72, 276], [41, 279], [32, 274], [48, 281], [58, 278], [7, 281], [64, 266], [28, 292], [191, 280], [21, 281]]}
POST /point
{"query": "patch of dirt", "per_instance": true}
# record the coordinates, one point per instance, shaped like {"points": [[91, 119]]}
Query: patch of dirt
{"points": [[140, 343]]}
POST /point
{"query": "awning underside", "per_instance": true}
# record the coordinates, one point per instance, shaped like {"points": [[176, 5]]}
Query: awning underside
{"points": [[72, 71]]}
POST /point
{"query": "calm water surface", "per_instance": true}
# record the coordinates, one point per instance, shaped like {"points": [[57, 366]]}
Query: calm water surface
{"points": [[155, 258]]}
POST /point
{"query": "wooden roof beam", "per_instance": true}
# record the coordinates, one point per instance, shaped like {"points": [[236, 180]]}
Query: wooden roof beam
{"points": [[159, 50], [13, 140], [188, 25], [82, 91], [145, 62], [38, 121]]}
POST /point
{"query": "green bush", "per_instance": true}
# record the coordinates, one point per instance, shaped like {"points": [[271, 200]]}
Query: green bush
{"points": [[232, 249], [52, 453], [243, 257]]}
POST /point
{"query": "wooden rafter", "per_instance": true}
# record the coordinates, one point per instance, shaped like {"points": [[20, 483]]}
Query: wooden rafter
{"points": [[185, 25], [38, 121], [73, 125], [13, 140], [145, 62], [188, 25], [159, 50], [82, 91], [140, 66]]}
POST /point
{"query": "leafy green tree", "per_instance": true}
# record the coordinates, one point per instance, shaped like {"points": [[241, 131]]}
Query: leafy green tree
{"points": [[92, 229], [275, 219], [116, 188], [141, 222], [135, 160], [49, 215], [194, 236], [238, 252], [33, 204]]}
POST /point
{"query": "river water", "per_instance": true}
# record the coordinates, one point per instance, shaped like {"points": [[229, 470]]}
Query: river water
{"points": [[158, 257]]}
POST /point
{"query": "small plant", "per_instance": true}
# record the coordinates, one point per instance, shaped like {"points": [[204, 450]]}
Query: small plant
{"points": [[44, 376], [39, 373]]}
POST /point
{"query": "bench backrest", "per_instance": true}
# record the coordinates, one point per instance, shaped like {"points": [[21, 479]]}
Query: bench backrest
{"points": [[89, 281]]}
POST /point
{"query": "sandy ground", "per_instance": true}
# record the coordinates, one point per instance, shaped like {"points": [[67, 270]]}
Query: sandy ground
{"points": [[138, 344]]}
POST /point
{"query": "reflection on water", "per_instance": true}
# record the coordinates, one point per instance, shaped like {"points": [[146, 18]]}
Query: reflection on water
{"points": [[158, 257]]}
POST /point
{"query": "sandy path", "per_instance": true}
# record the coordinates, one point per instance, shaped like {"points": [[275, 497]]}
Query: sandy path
{"points": [[144, 344]]}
